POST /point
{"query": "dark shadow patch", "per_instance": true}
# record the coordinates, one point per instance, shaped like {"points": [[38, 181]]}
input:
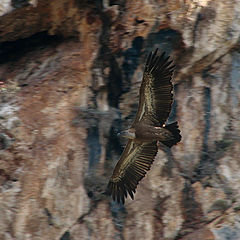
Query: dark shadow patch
{"points": [[120, 3], [12, 51], [96, 5], [119, 78], [20, 3], [94, 146], [166, 40], [131, 62], [207, 165], [191, 211], [49, 216], [139, 21], [119, 215], [66, 236], [207, 116], [107, 60], [5, 141], [115, 86]]}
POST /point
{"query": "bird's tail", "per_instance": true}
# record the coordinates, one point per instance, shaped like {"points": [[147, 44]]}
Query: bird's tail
{"points": [[173, 128]]}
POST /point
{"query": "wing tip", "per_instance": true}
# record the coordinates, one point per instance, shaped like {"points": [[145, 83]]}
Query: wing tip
{"points": [[119, 190], [159, 60]]}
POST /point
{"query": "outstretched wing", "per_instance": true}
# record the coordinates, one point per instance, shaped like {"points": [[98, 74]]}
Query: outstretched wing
{"points": [[135, 160], [155, 96]]}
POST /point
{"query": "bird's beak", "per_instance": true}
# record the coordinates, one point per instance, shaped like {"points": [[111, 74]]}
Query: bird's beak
{"points": [[127, 134]]}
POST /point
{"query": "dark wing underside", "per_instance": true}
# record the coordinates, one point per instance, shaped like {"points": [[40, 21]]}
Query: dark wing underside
{"points": [[155, 96], [130, 169], [155, 100]]}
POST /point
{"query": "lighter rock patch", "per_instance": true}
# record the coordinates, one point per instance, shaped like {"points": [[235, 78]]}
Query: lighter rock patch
{"points": [[8, 118]]}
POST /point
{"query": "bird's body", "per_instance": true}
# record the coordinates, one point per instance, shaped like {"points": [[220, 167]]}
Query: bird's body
{"points": [[148, 133], [148, 128]]}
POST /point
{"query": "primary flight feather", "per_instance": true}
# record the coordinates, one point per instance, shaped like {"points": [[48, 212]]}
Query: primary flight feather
{"points": [[155, 101]]}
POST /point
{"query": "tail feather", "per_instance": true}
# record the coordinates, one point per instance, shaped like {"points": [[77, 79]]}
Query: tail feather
{"points": [[173, 128]]}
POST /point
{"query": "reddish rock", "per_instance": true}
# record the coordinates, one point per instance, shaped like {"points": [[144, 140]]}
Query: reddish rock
{"points": [[70, 72]]}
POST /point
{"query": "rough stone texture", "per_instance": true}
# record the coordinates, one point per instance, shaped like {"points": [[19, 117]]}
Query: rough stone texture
{"points": [[69, 78]]}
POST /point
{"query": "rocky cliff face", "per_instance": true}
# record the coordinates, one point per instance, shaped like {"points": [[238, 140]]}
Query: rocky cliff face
{"points": [[69, 77]]}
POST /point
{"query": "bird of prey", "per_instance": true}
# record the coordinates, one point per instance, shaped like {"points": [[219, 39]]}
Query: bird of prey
{"points": [[149, 127]]}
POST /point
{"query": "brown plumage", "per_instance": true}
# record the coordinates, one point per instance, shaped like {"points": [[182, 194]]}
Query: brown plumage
{"points": [[155, 101]]}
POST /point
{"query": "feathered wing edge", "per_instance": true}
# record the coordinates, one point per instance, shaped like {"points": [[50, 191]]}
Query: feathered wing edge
{"points": [[158, 74], [129, 177]]}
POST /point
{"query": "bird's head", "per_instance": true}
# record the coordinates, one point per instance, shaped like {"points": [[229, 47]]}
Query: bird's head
{"points": [[129, 133]]}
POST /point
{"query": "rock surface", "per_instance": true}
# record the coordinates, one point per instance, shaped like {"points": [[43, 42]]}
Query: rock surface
{"points": [[69, 78]]}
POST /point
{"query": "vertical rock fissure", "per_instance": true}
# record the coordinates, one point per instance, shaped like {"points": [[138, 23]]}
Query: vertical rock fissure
{"points": [[207, 116], [234, 79], [206, 165], [118, 214], [191, 211], [94, 146]]}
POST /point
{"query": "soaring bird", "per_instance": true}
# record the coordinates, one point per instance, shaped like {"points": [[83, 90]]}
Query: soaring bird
{"points": [[149, 127]]}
